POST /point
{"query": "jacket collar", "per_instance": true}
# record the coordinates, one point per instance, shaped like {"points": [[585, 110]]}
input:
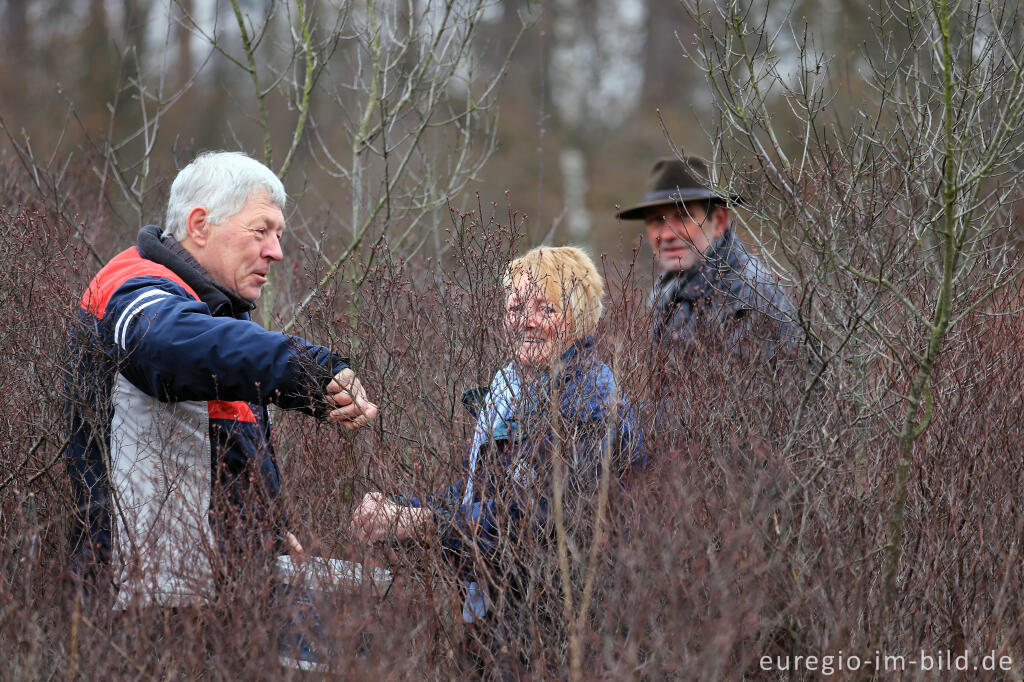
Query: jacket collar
{"points": [[580, 347], [700, 280], [172, 255], [573, 358], [475, 399]]}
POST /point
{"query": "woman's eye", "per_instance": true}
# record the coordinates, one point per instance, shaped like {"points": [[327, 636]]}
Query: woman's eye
{"points": [[549, 310]]}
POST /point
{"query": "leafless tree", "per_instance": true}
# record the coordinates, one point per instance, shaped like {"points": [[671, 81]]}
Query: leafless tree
{"points": [[894, 218], [388, 101]]}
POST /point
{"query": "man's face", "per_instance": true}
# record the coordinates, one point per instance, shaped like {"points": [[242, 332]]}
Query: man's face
{"points": [[680, 235], [239, 252]]}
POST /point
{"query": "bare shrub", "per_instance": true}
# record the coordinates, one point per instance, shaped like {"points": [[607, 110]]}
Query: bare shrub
{"points": [[745, 536]]}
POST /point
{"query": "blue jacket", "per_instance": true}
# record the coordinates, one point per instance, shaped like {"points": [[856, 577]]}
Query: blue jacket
{"points": [[509, 479], [170, 451]]}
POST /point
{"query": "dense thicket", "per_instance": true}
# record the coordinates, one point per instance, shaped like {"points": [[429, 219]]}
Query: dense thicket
{"points": [[747, 535]]}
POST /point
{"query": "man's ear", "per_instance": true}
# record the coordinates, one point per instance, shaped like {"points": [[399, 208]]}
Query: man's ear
{"points": [[198, 225], [719, 220]]}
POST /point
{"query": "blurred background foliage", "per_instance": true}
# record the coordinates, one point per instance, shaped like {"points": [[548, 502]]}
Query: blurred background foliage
{"points": [[593, 88]]}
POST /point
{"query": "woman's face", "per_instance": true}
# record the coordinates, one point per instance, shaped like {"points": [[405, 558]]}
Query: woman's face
{"points": [[537, 326]]}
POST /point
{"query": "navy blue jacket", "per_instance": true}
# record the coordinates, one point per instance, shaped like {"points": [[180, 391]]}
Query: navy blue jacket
{"points": [[158, 343], [509, 479]]}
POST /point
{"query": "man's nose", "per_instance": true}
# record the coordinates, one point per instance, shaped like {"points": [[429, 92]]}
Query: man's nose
{"points": [[272, 249], [666, 232]]}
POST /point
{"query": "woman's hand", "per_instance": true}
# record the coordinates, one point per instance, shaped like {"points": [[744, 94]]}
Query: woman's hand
{"points": [[373, 518], [377, 518]]}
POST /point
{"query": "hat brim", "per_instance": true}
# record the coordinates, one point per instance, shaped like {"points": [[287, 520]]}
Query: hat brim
{"points": [[671, 198]]}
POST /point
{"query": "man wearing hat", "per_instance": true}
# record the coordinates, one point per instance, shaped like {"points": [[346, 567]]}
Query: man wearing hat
{"points": [[709, 284]]}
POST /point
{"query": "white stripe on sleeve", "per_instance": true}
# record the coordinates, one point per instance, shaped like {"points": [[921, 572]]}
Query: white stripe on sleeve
{"points": [[131, 310]]}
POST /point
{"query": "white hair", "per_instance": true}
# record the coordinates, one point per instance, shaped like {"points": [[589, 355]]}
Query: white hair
{"points": [[221, 182]]}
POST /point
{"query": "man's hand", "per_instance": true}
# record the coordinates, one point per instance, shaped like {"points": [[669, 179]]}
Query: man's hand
{"points": [[294, 548], [378, 518], [354, 410]]}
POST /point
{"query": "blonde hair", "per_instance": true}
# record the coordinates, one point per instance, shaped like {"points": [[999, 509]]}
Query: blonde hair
{"points": [[568, 279]]}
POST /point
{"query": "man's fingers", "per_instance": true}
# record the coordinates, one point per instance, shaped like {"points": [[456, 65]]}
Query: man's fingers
{"points": [[345, 376], [354, 414], [357, 390], [295, 548], [349, 410], [345, 391], [347, 419], [340, 398], [345, 380], [369, 410]]}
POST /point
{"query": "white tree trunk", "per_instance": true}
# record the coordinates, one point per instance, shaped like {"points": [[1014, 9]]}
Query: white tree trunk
{"points": [[573, 163], [596, 76]]}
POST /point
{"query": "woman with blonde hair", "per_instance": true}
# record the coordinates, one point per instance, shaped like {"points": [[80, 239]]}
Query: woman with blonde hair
{"points": [[546, 421]]}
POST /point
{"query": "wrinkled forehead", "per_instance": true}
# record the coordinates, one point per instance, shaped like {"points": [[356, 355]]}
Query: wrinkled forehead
{"points": [[260, 207]]}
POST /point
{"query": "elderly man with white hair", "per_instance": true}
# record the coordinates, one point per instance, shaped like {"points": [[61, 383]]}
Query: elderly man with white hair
{"points": [[170, 451]]}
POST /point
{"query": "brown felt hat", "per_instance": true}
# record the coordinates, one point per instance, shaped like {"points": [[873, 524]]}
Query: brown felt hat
{"points": [[673, 181]]}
